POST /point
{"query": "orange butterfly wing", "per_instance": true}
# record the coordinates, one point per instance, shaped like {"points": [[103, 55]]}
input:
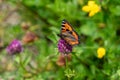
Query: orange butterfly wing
{"points": [[68, 34]]}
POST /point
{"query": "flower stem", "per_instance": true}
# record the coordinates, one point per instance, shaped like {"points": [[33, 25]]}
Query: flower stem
{"points": [[66, 65], [66, 62]]}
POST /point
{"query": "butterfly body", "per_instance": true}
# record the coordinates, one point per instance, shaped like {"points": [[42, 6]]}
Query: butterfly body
{"points": [[68, 34]]}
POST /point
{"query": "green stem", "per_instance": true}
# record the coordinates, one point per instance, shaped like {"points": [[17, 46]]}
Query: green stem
{"points": [[66, 62], [66, 65]]}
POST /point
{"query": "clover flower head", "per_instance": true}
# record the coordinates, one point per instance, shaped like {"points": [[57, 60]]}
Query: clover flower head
{"points": [[64, 47], [92, 8], [14, 47], [101, 52]]}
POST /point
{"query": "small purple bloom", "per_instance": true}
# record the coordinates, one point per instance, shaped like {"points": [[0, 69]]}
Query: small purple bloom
{"points": [[14, 47], [64, 47]]}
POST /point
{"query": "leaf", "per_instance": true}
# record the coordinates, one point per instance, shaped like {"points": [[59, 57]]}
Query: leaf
{"points": [[115, 10], [89, 29]]}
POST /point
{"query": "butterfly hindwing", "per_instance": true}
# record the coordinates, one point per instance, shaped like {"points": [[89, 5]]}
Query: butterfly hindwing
{"points": [[68, 34]]}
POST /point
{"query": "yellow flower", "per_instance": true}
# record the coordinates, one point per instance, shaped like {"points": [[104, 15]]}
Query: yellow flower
{"points": [[101, 52], [92, 8]]}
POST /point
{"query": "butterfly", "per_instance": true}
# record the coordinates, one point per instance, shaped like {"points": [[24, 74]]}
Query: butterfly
{"points": [[68, 33]]}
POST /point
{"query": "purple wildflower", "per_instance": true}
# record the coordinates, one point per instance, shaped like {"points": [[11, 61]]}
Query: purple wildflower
{"points": [[64, 47], [14, 47]]}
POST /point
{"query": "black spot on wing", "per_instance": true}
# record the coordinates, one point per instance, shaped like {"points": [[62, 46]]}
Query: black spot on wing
{"points": [[70, 32], [63, 25], [67, 30], [62, 28]]}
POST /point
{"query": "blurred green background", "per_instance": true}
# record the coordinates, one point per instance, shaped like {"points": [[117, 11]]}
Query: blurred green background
{"points": [[41, 19]]}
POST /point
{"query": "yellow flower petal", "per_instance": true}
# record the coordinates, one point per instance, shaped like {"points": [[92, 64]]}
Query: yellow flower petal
{"points": [[95, 8], [101, 52], [86, 8], [91, 13], [92, 8], [90, 3]]}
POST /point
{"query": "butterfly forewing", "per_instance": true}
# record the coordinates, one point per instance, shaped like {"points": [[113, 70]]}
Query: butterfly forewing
{"points": [[66, 26], [68, 34]]}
